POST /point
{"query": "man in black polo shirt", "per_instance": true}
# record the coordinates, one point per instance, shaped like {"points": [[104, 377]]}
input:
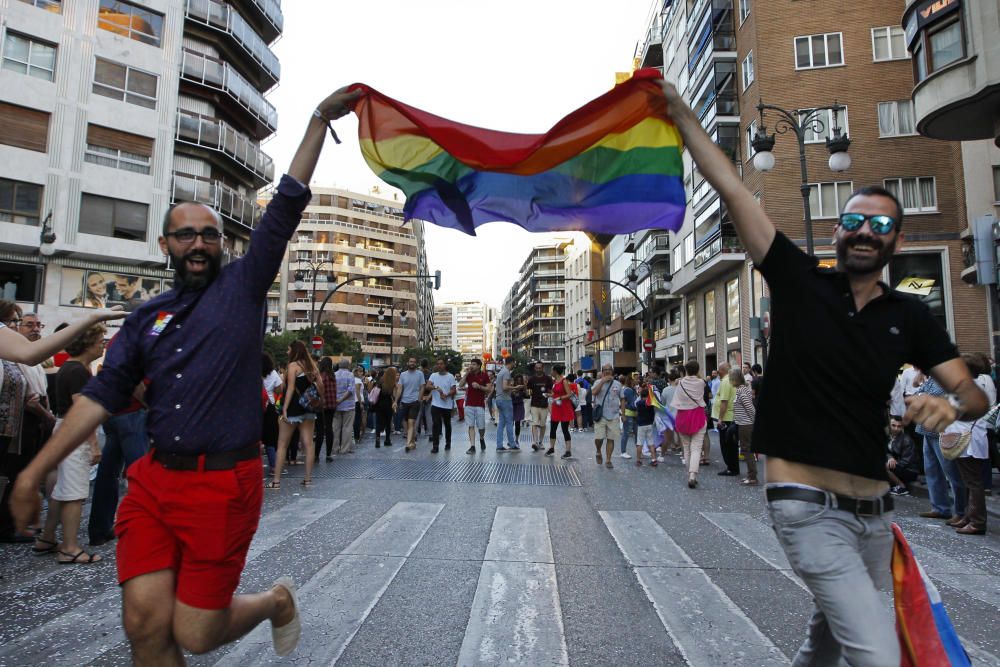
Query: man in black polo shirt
{"points": [[825, 444]]}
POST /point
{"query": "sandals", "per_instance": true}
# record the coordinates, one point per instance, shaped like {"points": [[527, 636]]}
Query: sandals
{"points": [[76, 559], [600, 459], [50, 549], [272, 485], [749, 482], [306, 482]]}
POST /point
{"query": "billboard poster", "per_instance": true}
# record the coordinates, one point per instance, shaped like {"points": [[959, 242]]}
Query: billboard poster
{"points": [[88, 288]]}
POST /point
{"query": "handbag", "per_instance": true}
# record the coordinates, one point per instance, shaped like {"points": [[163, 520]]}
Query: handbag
{"points": [[574, 397], [953, 445], [310, 399], [599, 409], [374, 395]]}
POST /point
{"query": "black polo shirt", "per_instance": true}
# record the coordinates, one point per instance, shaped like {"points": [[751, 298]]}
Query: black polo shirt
{"points": [[831, 367]]}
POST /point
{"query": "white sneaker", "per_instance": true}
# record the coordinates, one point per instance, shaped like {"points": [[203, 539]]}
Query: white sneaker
{"points": [[625, 455], [659, 459], [286, 638]]}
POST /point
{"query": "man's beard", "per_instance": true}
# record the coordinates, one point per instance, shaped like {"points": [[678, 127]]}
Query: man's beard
{"points": [[188, 281], [861, 266]]}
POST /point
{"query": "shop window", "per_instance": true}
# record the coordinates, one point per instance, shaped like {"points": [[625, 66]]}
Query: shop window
{"points": [[733, 304], [19, 282], [710, 313], [921, 274]]}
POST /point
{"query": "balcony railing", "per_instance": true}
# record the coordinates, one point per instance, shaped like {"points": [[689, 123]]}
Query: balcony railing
{"points": [[718, 33], [220, 75], [656, 245], [724, 242], [268, 14], [217, 135], [228, 202], [718, 95], [222, 17]]}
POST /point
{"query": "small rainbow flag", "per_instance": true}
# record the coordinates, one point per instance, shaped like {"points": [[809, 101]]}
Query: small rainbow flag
{"points": [[926, 635], [664, 420], [612, 166]]}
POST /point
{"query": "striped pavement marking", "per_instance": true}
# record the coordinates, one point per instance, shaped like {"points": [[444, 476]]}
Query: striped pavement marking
{"points": [[60, 641], [759, 539], [707, 627], [972, 581], [335, 602], [516, 617]]}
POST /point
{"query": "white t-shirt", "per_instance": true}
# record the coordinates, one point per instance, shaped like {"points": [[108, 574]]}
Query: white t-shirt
{"points": [[908, 375], [442, 382], [272, 382]]}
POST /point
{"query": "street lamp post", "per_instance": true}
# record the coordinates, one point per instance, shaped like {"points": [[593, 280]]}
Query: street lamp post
{"points": [[46, 246], [798, 123], [300, 276]]}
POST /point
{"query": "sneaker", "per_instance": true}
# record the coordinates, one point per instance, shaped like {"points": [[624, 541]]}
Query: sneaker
{"points": [[625, 455], [482, 445], [286, 637], [550, 451], [471, 450], [567, 455], [434, 450], [659, 459], [514, 449], [535, 447], [899, 491]]}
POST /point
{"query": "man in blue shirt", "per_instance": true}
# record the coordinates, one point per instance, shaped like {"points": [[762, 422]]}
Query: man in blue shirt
{"points": [[194, 501]]}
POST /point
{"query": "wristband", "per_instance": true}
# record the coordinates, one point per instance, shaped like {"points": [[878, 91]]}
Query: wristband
{"points": [[333, 134]]}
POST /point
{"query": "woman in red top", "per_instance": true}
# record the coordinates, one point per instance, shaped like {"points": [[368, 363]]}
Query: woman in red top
{"points": [[563, 410]]}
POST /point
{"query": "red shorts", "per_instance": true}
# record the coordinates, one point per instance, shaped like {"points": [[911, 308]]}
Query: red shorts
{"points": [[198, 524]]}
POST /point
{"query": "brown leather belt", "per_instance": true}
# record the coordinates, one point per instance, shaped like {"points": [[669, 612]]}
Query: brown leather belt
{"points": [[210, 461], [857, 506]]}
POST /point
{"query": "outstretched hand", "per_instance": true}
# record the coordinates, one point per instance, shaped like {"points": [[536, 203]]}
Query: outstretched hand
{"points": [[674, 99], [107, 314], [339, 103]]}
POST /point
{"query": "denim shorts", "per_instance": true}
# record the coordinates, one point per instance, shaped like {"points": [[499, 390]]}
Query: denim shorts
{"points": [[298, 419]]}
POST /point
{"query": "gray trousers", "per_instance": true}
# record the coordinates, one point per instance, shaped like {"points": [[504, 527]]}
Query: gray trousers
{"points": [[843, 559]]}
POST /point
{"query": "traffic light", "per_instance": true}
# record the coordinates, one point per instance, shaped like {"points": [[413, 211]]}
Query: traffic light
{"points": [[437, 279]]}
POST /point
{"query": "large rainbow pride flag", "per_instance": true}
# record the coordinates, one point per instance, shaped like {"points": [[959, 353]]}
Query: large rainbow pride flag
{"points": [[612, 166]]}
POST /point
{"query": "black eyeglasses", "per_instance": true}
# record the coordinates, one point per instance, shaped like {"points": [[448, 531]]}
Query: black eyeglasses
{"points": [[880, 224], [187, 235]]}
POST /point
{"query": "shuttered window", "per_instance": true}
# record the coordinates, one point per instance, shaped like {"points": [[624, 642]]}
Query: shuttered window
{"points": [[24, 127], [117, 218], [119, 150]]}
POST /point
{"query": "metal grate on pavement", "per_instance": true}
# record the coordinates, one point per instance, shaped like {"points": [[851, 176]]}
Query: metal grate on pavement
{"points": [[471, 472]]}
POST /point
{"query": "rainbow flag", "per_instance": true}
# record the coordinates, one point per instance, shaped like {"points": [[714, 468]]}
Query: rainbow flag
{"points": [[663, 420], [926, 635], [612, 166]]}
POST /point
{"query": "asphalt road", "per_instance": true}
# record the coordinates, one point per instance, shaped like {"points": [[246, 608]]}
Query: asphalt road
{"points": [[582, 565]]}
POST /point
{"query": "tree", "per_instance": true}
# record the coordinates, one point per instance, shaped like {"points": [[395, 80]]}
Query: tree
{"points": [[453, 358], [335, 343]]}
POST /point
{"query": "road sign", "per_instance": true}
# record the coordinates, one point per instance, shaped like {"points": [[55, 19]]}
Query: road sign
{"points": [[648, 344], [317, 342]]}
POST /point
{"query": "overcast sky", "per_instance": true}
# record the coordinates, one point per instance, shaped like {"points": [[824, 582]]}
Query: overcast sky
{"points": [[516, 65]]}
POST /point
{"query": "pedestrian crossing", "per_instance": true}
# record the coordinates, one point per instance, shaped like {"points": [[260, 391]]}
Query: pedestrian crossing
{"points": [[516, 611]]}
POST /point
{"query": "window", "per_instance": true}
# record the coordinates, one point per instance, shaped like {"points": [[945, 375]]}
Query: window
{"points": [[54, 6], [116, 218], [120, 82], [20, 203], [826, 199], [25, 55], [918, 195], [688, 248], [744, 10], [132, 21], [692, 322], [896, 119], [674, 326], [23, 127], [996, 183], [821, 129], [733, 304], [946, 46], [888, 43], [927, 266], [751, 134], [120, 150], [813, 51], [939, 42], [710, 313], [747, 71], [678, 256]]}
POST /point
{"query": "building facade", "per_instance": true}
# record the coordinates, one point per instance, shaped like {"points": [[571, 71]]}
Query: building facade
{"points": [[111, 111], [727, 56], [464, 326], [361, 241]]}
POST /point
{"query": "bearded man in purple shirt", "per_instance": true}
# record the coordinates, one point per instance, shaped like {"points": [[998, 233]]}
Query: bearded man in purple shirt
{"points": [[194, 501]]}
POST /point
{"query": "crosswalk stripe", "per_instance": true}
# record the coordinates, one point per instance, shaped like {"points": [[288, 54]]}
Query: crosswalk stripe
{"points": [[60, 640], [967, 579], [760, 540], [335, 602], [703, 622], [516, 617]]}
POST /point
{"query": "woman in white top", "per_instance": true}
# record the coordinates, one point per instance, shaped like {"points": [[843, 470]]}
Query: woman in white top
{"points": [[976, 458]]}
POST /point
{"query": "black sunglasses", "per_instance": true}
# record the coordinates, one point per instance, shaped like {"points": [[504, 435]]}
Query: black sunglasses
{"points": [[187, 235], [880, 224]]}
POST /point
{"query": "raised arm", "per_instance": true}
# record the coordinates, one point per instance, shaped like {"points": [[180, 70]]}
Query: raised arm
{"points": [[15, 347], [755, 229], [333, 107]]}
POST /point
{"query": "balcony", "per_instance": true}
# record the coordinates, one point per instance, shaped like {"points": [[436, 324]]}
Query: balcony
{"points": [[630, 243], [232, 205], [651, 51], [656, 246], [717, 94], [221, 138], [243, 46], [265, 15], [238, 94], [716, 33]]}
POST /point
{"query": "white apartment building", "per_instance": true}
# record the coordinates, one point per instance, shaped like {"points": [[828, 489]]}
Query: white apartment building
{"points": [[463, 326]]}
